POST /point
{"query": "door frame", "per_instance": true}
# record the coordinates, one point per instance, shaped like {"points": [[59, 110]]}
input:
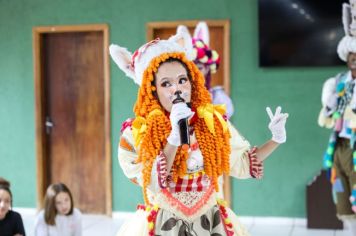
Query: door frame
{"points": [[225, 24], [41, 161]]}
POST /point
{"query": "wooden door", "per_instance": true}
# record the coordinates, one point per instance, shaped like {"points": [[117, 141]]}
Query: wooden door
{"points": [[74, 117], [219, 31]]}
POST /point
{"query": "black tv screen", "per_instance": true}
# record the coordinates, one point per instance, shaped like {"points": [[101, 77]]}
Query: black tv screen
{"points": [[300, 32]]}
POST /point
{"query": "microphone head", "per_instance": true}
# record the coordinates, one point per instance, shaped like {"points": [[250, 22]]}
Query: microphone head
{"points": [[185, 147]]}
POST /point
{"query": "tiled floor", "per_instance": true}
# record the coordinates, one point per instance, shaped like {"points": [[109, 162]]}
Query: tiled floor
{"points": [[94, 225], [286, 227]]}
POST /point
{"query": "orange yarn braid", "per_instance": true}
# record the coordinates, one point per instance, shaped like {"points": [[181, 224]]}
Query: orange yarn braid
{"points": [[215, 149]]}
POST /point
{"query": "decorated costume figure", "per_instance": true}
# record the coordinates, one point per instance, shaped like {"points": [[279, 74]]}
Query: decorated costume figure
{"points": [[339, 113], [208, 62], [179, 185]]}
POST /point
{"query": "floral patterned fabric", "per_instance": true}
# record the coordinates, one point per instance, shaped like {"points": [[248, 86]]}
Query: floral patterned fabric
{"points": [[190, 206], [208, 224], [217, 221]]}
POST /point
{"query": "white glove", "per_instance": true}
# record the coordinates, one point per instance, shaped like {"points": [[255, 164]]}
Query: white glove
{"points": [[179, 111], [277, 125]]}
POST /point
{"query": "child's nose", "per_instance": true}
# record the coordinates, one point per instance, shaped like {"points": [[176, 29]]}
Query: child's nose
{"points": [[177, 92]]}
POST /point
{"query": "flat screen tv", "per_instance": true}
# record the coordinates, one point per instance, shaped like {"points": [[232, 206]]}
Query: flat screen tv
{"points": [[299, 32]]}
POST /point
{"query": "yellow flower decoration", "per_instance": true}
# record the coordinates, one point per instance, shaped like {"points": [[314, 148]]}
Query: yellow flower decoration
{"points": [[138, 129], [139, 126]]}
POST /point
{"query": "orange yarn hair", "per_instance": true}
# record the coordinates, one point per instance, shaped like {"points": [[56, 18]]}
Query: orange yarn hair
{"points": [[215, 148]]}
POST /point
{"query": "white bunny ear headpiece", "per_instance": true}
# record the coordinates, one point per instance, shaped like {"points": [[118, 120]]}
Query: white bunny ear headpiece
{"points": [[348, 42], [183, 29], [122, 58], [134, 65], [202, 32]]}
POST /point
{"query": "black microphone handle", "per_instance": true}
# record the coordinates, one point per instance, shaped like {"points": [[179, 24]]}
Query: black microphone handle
{"points": [[184, 131]]}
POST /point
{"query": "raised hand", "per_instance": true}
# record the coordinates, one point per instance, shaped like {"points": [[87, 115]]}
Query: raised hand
{"points": [[277, 124], [179, 111]]}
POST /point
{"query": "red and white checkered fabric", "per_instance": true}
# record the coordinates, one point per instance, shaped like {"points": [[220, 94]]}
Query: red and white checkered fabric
{"points": [[186, 184]]}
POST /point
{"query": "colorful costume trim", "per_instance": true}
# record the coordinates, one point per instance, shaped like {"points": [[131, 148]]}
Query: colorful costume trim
{"points": [[225, 217], [344, 91], [203, 54], [162, 170], [256, 166], [168, 201], [353, 199]]}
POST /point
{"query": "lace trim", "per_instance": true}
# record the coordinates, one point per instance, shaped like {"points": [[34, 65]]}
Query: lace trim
{"points": [[188, 199], [185, 209], [190, 215]]}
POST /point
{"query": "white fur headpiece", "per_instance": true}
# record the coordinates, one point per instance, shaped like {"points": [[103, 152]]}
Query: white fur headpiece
{"points": [[135, 64], [348, 42]]}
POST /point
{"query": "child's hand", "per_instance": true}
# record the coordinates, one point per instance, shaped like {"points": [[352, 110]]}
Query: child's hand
{"points": [[277, 125]]}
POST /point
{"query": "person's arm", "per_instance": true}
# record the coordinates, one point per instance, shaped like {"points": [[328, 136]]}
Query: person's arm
{"points": [[20, 230], [277, 127], [266, 149], [246, 162], [128, 154]]}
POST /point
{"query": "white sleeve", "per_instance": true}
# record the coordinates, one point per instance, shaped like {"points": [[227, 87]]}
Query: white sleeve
{"points": [[328, 99], [78, 222], [329, 88], [127, 155], [239, 161], [41, 228]]}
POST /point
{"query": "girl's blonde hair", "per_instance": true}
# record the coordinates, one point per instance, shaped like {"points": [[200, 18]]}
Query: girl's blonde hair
{"points": [[215, 148]]}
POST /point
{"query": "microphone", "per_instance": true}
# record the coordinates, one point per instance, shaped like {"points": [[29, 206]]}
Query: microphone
{"points": [[184, 132]]}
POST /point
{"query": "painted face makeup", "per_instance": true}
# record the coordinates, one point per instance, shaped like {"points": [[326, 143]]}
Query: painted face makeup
{"points": [[5, 203], [173, 85], [63, 203]]}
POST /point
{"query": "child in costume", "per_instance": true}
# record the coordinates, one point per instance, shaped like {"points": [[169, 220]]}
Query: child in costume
{"points": [[179, 185], [338, 112]]}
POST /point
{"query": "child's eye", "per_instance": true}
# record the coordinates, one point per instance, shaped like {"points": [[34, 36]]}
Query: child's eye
{"points": [[183, 80], [165, 84]]}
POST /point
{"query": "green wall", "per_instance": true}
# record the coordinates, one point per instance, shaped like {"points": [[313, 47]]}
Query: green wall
{"points": [[297, 90]]}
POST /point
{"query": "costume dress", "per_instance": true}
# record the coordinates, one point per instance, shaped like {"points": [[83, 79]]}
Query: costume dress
{"points": [[190, 206], [340, 156]]}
